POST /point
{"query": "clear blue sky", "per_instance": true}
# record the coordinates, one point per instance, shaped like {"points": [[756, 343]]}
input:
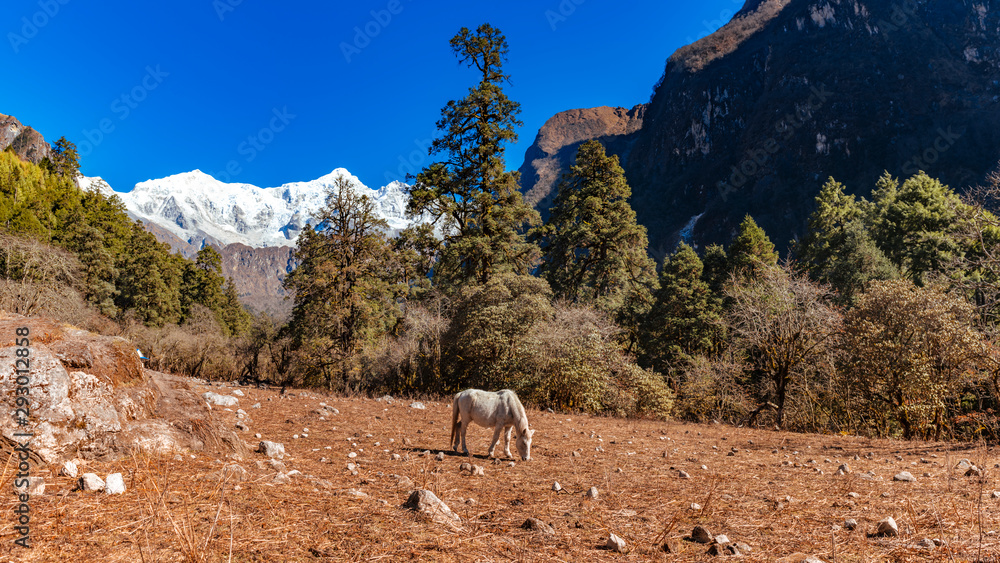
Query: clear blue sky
{"points": [[187, 84]]}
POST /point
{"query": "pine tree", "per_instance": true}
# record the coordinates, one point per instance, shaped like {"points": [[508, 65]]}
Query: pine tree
{"points": [[343, 299], [64, 159], [593, 249], [716, 269], [471, 192], [918, 225], [751, 251], [685, 320], [823, 242]]}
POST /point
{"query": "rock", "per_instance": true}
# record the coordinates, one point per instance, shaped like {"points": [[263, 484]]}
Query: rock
{"points": [[695, 506], [844, 469], [234, 472], [114, 484], [974, 472], [800, 558], [726, 549], [478, 471], [996, 494], [722, 539], [439, 456], [281, 479], [616, 544], [426, 502], [35, 486], [925, 543], [271, 449], [403, 482], [395, 457], [536, 525], [68, 469], [963, 465], [904, 476], [850, 524], [744, 548], [887, 528], [238, 393], [591, 493], [220, 400], [255, 406], [356, 493], [700, 534], [465, 467], [91, 482], [417, 405], [557, 487], [852, 494], [683, 475], [240, 425]]}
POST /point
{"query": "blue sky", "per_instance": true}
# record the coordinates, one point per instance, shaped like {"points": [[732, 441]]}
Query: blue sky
{"points": [[268, 93]]}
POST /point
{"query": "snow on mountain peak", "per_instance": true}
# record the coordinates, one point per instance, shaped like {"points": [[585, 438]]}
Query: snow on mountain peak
{"points": [[197, 207]]}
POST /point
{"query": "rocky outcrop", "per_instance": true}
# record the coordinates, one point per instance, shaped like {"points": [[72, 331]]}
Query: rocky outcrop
{"points": [[25, 141], [555, 146], [258, 274], [89, 396]]}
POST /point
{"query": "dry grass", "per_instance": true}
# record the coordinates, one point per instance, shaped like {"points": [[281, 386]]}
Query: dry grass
{"points": [[186, 508]]}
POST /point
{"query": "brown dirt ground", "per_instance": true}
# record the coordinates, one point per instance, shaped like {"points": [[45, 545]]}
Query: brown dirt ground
{"points": [[769, 494]]}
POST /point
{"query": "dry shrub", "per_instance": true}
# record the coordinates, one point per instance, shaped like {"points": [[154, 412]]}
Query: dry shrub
{"points": [[711, 390], [410, 362], [197, 348], [573, 361], [699, 54]]}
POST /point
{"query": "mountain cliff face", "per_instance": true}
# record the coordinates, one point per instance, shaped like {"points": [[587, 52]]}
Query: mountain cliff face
{"points": [[25, 141], [755, 117], [558, 140]]}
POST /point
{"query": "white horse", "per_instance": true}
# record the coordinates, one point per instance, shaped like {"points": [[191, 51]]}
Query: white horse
{"points": [[501, 410]]}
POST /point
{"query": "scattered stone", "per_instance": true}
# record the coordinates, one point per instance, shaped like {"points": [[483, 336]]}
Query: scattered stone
{"points": [[722, 539], [68, 469], [850, 524], [844, 469], [417, 405], [277, 465], [426, 502], [724, 549], [281, 479], [396, 457], [800, 558], [591, 493], [356, 493], [478, 471], [683, 475], [114, 484], [271, 449], [91, 482], [695, 506], [925, 543], [616, 544], [700, 534], [238, 393], [964, 464], [465, 467], [974, 472], [852, 494], [557, 487], [887, 528], [904, 476], [352, 455], [536, 525], [220, 400], [235, 473], [744, 548], [996, 494], [256, 405], [439, 456], [240, 425], [34, 487], [403, 482], [575, 453]]}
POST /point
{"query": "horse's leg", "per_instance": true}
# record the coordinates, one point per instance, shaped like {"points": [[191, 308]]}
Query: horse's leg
{"points": [[463, 428], [506, 444], [496, 438]]}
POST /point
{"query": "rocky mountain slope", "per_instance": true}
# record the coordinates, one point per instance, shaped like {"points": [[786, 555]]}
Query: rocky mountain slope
{"points": [[755, 117], [555, 146], [26, 142]]}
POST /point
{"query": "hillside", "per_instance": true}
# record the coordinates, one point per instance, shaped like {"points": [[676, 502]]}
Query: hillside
{"points": [[755, 117], [351, 464]]}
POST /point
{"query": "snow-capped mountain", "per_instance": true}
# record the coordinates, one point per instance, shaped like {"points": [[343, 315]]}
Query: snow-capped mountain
{"points": [[197, 208]]}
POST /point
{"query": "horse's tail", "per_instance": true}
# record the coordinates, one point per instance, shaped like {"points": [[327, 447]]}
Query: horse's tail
{"points": [[454, 420]]}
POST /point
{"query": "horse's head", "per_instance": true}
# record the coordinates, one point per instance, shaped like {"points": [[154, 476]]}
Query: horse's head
{"points": [[524, 445]]}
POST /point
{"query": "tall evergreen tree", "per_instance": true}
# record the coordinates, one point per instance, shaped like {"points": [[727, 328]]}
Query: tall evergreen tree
{"points": [[471, 191], [751, 250], [594, 251], [342, 297], [685, 320]]}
